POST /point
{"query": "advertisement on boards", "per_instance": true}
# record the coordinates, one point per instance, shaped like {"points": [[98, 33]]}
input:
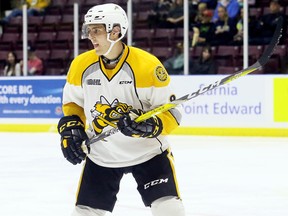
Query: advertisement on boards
{"points": [[247, 102], [31, 98], [251, 101]]}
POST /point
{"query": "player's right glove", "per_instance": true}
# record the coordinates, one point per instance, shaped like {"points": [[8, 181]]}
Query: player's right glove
{"points": [[72, 131], [149, 128]]}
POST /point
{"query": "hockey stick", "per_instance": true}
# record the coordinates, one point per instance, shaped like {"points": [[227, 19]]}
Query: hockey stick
{"points": [[260, 63]]}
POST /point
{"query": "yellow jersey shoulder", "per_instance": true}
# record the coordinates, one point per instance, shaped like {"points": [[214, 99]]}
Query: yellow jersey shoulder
{"points": [[79, 65], [147, 68]]}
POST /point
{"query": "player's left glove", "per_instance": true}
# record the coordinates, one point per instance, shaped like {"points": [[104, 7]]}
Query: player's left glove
{"points": [[72, 132], [149, 128]]}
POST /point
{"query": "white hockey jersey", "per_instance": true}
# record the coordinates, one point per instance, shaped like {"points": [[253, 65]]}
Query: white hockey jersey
{"points": [[99, 96]]}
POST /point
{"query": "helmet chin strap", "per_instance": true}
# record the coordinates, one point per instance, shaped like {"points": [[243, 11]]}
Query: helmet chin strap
{"points": [[112, 44]]}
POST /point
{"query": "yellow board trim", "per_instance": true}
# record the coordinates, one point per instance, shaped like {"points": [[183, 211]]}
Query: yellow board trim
{"points": [[209, 131], [267, 132], [28, 128]]}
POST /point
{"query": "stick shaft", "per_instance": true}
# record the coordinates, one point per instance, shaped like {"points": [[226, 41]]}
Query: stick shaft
{"points": [[260, 63]]}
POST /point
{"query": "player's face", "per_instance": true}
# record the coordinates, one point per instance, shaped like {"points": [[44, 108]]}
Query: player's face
{"points": [[98, 36]]}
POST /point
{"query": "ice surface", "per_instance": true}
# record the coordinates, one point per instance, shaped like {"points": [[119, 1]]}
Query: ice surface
{"points": [[218, 176]]}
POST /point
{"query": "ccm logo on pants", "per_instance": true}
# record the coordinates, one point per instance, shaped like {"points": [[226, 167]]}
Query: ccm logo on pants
{"points": [[155, 182]]}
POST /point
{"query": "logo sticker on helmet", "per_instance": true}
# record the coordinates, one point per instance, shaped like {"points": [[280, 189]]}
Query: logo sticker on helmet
{"points": [[161, 73]]}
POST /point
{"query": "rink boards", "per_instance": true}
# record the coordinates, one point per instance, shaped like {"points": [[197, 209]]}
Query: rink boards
{"points": [[254, 105]]}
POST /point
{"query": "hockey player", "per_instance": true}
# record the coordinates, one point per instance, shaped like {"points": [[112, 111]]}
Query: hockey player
{"points": [[105, 86]]}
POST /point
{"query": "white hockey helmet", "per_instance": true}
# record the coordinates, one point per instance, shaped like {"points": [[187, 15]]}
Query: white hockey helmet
{"points": [[108, 14]]}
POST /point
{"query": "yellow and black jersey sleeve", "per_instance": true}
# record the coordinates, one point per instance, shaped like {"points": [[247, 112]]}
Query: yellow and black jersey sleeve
{"points": [[79, 66], [151, 74], [73, 100]]}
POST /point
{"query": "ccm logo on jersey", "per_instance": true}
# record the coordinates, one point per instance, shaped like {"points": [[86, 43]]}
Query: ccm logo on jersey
{"points": [[125, 82], [155, 182], [93, 82]]}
